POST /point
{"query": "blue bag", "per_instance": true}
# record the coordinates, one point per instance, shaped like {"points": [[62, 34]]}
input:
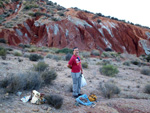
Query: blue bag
{"points": [[83, 99]]}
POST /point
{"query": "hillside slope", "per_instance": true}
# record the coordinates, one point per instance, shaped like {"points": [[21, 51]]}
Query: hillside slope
{"points": [[54, 26]]}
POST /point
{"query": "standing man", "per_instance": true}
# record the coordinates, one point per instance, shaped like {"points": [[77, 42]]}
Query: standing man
{"points": [[76, 70]]}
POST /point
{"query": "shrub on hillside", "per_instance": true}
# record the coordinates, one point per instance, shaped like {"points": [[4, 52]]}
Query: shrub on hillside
{"points": [[148, 58], [21, 81], [98, 20], [2, 40], [108, 49], [109, 89], [3, 51], [106, 62], [54, 100], [109, 70], [61, 14], [85, 54], [50, 3], [16, 53], [145, 71], [95, 53], [56, 57], [126, 63], [106, 54], [41, 66], [27, 7], [50, 56], [35, 57], [68, 56], [147, 89], [136, 62], [48, 76], [65, 50], [85, 65]]}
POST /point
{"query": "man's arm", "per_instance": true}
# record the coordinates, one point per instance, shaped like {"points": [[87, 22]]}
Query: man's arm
{"points": [[81, 70], [69, 66]]}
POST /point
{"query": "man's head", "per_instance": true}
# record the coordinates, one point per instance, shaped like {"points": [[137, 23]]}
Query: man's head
{"points": [[76, 51]]}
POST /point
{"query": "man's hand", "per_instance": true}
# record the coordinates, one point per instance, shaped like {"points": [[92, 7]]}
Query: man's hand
{"points": [[81, 71], [69, 66]]}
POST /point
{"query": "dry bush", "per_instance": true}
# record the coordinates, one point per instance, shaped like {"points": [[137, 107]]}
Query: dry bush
{"points": [[54, 100], [95, 52], [147, 89], [35, 57], [109, 70], [2, 40], [127, 63], [3, 51], [56, 57], [145, 71], [109, 89], [85, 54], [16, 53], [50, 56], [41, 66], [85, 65], [68, 56], [21, 81], [48, 76]]}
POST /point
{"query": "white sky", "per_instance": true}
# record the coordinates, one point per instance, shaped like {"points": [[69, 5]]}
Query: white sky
{"points": [[136, 11]]}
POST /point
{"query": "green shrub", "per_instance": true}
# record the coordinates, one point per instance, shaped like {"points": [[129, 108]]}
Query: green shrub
{"points": [[27, 55], [54, 19], [85, 65], [41, 66], [148, 58], [109, 70], [3, 51], [54, 100], [109, 89], [61, 14], [50, 3], [50, 56], [35, 57], [105, 54], [9, 49], [48, 76], [27, 7], [147, 89], [136, 62], [56, 57], [145, 71], [106, 62], [2, 40], [126, 63], [17, 53], [68, 56], [114, 54], [65, 50], [98, 20], [95, 53]]}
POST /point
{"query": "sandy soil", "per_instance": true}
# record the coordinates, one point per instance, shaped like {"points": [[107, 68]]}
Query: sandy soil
{"points": [[129, 80]]}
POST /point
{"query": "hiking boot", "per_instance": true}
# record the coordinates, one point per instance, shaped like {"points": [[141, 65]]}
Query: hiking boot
{"points": [[76, 96], [80, 94]]}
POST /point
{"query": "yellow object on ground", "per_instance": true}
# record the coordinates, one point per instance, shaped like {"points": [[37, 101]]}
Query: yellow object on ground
{"points": [[92, 97]]}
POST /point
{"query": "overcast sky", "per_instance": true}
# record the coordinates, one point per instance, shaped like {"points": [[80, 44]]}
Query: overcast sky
{"points": [[136, 11]]}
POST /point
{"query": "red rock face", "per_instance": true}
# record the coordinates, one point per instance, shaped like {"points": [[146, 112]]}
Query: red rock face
{"points": [[79, 29]]}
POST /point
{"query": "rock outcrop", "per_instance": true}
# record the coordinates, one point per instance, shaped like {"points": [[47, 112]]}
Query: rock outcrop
{"points": [[82, 30]]}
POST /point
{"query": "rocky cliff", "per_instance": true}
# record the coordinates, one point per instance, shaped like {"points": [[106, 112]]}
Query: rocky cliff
{"points": [[81, 29]]}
